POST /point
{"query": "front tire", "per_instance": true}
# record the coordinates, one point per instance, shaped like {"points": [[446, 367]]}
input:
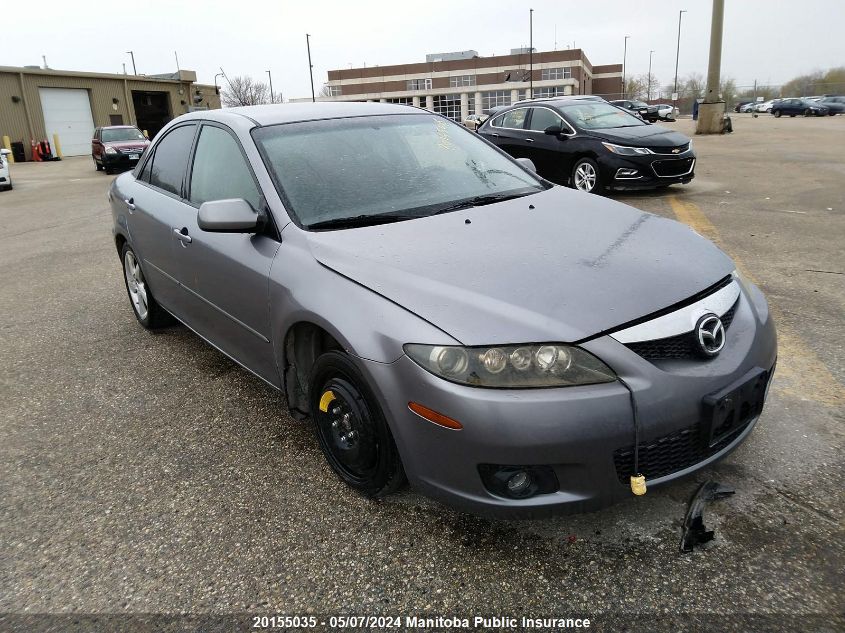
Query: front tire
{"points": [[808, 112], [149, 313], [585, 176], [777, 114], [351, 429]]}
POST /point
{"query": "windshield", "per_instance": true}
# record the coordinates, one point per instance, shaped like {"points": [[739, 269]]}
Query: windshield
{"points": [[396, 166], [122, 134], [595, 115]]}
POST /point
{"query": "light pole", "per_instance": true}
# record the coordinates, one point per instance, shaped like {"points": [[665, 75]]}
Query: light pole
{"points": [[132, 53], [216, 87], [530, 53], [272, 96], [648, 88], [310, 66], [677, 55], [624, 57]]}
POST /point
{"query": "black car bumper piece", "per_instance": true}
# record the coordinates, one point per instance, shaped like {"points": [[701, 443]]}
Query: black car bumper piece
{"points": [[120, 160], [650, 171]]}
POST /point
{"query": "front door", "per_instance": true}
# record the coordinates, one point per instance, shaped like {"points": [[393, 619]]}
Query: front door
{"points": [[225, 276], [548, 151]]}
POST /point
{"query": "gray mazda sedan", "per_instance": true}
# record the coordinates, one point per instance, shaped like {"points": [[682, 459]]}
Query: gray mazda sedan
{"points": [[439, 312]]}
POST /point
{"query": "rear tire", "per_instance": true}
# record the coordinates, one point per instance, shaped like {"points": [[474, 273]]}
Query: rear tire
{"points": [[353, 432], [97, 165], [149, 313]]}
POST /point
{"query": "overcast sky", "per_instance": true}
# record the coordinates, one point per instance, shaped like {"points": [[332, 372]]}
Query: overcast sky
{"points": [[771, 41]]}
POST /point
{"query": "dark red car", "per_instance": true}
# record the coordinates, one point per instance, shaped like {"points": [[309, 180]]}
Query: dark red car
{"points": [[117, 147]]}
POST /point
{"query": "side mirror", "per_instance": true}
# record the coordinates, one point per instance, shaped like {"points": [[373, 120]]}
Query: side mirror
{"points": [[554, 130], [528, 164], [229, 216]]}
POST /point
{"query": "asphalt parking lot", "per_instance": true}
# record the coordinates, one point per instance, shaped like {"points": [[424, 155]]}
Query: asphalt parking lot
{"points": [[149, 474]]}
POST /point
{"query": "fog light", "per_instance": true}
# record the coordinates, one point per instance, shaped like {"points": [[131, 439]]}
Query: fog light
{"points": [[626, 173], [518, 483]]}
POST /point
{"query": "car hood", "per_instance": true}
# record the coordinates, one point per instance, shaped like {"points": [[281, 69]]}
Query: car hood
{"points": [[571, 267], [642, 135]]}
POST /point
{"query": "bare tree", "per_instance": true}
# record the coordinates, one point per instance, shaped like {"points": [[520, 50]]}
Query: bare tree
{"points": [[243, 90], [325, 91]]}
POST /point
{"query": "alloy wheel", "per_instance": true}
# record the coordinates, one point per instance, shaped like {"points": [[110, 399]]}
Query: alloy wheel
{"points": [[585, 177], [136, 285]]}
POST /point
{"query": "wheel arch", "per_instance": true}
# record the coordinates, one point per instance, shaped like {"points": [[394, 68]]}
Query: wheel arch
{"points": [[304, 342]]}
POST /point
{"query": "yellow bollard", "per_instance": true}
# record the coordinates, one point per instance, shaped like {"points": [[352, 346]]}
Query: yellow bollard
{"points": [[146, 135], [57, 146], [7, 143]]}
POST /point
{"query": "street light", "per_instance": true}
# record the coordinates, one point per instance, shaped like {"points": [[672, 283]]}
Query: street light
{"points": [[132, 53], [624, 57], [677, 55], [648, 89], [216, 87], [310, 66], [530, 53], [272, 96]]}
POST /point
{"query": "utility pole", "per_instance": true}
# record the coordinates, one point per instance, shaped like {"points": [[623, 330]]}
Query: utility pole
{"points": [[531, 53], [134, 70], [310, 66], [272, 96], [176, 55], [624, 57], [711, 113], [677, 56], [648, 88], [216, 87]]}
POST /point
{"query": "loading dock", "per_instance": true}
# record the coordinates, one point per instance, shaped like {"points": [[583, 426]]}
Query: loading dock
{"points": [[152, 110], [67, 113]]}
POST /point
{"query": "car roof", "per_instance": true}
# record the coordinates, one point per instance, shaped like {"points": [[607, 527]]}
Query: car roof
{"points": [[296, 112]]}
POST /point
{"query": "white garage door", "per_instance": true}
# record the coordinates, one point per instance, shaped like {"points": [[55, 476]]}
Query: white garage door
{"points": [[67, 112]]}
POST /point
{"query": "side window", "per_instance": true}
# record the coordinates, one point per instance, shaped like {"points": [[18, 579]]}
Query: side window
{"points": [[144, 176], [170, 158], [497, 122], [220, 170], [515, 118], [541, 118]]}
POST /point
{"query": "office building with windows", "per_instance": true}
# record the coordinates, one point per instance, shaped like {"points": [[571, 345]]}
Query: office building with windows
{"points": [[463, 83]]}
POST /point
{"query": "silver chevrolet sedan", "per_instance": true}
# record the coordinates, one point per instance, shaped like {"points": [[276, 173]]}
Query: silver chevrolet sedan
{"points": [[440, 313]]}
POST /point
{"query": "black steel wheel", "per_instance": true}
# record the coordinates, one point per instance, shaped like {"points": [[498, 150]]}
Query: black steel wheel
{"points": [[351, 429]]}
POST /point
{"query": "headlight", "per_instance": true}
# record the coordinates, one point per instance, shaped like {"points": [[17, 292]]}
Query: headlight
{"points": [[110, 150], [512, 366], [627, 151]]}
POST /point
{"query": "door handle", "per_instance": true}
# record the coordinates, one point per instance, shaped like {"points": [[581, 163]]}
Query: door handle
{"points": [[529, 140], [182, 235], [496, 134], [130, 203]]}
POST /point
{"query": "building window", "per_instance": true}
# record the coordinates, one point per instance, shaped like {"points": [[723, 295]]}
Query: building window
{"points": [[545, 93], [471, 105], [448, 106], [334, 91], [495, 98], [419, 84], [549, 74], [401, 100], [516, 74], [462, 80]]}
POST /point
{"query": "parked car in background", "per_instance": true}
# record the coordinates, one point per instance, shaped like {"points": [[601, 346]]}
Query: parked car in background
{"points": [[647, 112], [474, 120], [740, 104], [798, 105], [117, 147], [5, 176], [591, 145], [667, 112], [748, 107], [765, 106], [440, 312], [834, 105]]}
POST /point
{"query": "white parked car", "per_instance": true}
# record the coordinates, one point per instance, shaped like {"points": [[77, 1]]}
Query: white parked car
{"points": [[748, 107], [474, 120], [766, 106], [666, 112], [5, 176]]}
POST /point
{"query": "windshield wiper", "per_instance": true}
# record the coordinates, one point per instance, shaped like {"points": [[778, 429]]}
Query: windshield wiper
{"points": [[479, 201], [359, 220]]}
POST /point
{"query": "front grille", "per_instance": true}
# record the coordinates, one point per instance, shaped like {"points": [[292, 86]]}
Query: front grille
{"points": [[671, 453], [676, 347], [670, 150], [672, 167]]}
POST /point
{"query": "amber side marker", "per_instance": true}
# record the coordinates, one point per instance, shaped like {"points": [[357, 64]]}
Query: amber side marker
{"points": [[433, 416]]}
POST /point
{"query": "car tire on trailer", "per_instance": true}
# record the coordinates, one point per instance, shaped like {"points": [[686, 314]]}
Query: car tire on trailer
{"points": [[585, 176], [149, 313], [351, 429]]}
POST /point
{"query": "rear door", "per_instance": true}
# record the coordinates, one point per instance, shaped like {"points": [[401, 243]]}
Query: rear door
{"points": [[154, 203], [507, 131], [552, 154], [225, 276]]}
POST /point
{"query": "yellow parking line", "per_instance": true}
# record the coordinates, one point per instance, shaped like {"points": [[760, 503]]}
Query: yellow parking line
{"points": [[800, 374]]}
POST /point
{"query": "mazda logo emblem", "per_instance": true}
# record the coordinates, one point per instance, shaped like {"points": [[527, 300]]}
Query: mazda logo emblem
{"points": [[710, 335]]}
